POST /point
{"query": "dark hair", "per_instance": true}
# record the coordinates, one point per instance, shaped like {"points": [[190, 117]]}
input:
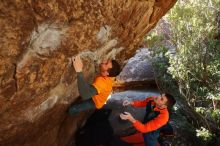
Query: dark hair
{"points": [[115, 70], [170, 100]]}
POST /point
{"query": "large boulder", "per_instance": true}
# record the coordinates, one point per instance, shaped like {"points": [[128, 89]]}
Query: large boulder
{"points": [[138, 68], [37, 80]]}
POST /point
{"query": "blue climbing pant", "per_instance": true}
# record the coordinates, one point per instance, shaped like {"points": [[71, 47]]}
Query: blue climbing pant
{"points": [[81, 107], [151, 138]]}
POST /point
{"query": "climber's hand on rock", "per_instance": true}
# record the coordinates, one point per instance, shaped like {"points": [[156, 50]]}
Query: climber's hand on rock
{"points": [[77, 63]]}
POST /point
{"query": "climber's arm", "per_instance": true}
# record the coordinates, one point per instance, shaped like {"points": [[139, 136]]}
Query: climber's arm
{"points": [[86, 90]]}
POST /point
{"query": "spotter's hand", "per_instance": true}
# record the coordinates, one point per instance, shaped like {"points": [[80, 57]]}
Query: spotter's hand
{"points": [[126, 103], [127, 116]]}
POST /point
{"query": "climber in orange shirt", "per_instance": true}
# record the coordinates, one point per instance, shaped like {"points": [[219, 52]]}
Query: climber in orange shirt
{"points": [[94, 95], [156, 116]]}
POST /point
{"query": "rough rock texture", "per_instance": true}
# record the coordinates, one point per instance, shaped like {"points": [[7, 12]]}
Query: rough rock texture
{"points": [[37, 81]]}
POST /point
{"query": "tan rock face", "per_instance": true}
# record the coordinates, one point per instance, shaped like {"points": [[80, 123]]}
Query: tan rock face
{"points": [[37, 81]]}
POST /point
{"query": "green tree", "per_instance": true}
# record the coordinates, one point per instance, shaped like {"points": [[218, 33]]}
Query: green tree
{"points": [[195, 65]]}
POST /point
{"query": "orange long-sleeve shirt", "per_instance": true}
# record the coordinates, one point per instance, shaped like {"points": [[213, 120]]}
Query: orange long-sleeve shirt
{"points": [[103, 86], [153, 124]]}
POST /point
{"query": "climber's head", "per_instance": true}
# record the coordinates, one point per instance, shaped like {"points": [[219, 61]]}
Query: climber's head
{"points": [[110, 68]]}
